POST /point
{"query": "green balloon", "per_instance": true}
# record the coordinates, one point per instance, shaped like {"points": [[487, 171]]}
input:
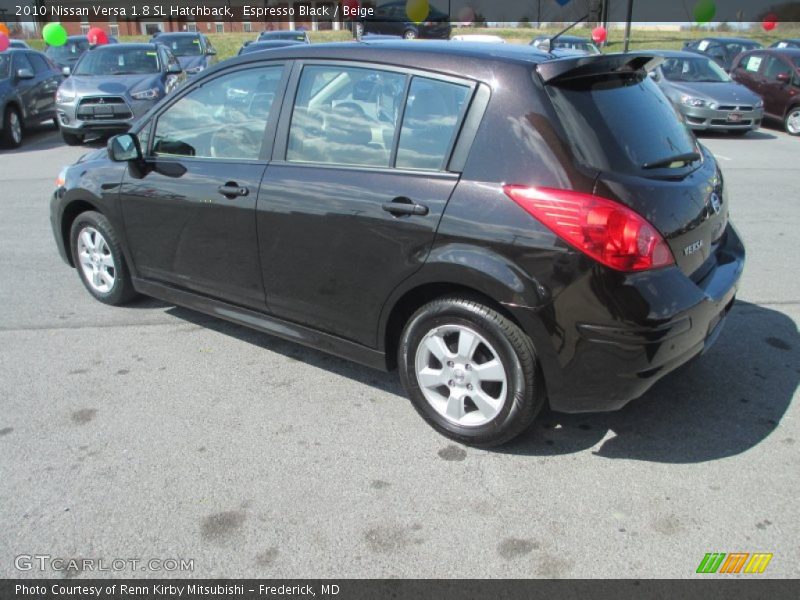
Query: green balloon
{"points": [[54, 34], [704, 11]]}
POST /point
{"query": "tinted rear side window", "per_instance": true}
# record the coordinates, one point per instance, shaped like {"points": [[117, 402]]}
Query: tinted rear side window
{"points": [[433, 110], [620, 123]]}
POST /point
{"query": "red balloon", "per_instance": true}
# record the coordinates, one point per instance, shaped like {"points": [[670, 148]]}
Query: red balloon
{"points": [[352, 5], [599, 35], [97, 37], [769, 22], [4, 41]]}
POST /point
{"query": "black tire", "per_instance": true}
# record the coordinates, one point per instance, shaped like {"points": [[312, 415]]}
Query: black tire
{"points": [[525, 392], [6, 136], [122, 291], [70, 139]]}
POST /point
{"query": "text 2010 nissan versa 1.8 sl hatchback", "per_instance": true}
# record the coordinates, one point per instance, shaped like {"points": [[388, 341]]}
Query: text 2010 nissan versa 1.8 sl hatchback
{"points": [[505, 228]]}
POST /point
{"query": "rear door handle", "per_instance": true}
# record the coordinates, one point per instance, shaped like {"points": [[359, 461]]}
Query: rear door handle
{"points": [[232, 190], [404, 207]]}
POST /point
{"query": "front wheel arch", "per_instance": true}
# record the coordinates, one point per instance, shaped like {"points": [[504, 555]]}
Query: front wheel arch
{"points": [[71, 212]]}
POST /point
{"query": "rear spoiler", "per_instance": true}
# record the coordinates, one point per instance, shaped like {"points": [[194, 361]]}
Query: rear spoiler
{"points": [[553, 72]]}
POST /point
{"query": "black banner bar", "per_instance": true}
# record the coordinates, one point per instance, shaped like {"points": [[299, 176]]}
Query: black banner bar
{"points": [[713, 588], [456, 11]]}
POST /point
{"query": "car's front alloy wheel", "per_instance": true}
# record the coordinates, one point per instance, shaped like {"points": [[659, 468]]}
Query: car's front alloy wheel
{"points": [[792, 123], [99, 260], [12, 128], [470, 371], [96, 260]]}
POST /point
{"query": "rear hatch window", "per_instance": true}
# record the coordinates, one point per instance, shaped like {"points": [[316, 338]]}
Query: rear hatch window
{"points": [[620, 122]]}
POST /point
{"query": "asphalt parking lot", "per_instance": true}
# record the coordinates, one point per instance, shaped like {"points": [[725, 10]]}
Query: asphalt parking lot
{"points": [[155, 432]]}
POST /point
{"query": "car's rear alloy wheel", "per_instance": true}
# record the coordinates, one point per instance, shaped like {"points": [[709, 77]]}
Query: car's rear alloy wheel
{"points": [[99, 260], [410, 34], [792, 123], [461, 375], [12, 128], [470, 371]]}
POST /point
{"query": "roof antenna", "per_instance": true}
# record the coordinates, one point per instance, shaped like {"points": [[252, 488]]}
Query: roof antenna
{"points": [[595, 10]]}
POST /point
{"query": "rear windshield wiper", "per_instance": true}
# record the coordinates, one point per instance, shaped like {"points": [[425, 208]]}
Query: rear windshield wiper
{"points": [[686, 158]]}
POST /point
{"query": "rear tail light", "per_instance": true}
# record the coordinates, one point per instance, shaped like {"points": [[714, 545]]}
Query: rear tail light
{"points": [[605, 230]]}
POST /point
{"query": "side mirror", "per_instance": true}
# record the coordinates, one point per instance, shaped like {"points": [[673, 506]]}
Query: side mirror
{"points": [[210, 51], [653, 75], [783, 77], [24, 74], [174, 68], [124, 148], [66, 71]]}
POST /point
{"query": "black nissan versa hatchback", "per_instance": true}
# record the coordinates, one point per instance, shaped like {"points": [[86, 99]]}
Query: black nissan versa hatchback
{"points": [[505, 228]]}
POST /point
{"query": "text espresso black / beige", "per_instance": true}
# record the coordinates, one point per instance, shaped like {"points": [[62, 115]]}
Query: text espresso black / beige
{"points": [[326, 11]]}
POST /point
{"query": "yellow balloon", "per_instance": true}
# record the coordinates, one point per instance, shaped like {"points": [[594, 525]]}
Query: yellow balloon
{"points": [[417, 10]]}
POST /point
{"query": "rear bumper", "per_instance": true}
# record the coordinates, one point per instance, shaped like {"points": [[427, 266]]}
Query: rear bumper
{"points": [[604, 363]]}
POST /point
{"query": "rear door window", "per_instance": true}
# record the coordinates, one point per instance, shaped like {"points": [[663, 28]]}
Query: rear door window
{"points": [[374, 118], [620, 123], [345, 116]]}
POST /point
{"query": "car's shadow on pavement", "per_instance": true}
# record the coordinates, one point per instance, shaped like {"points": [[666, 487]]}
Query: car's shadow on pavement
{"points": [[719, 405], [47, 137], [38, 137], [387, 382], [722, 404]]}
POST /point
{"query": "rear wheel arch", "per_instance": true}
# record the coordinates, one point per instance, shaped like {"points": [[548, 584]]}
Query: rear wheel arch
{"points": [[414, 298]]}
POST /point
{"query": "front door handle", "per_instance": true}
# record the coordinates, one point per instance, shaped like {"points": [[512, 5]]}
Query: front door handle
{"points": [[401, 207], [232, 189]]}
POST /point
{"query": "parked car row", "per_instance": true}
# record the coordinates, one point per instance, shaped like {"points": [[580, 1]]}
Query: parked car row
{"points": [[106, 97]]}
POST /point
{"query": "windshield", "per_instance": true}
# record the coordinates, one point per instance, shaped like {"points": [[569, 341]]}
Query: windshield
{"points": [[282, 35], [693, 70], [181, 45], [72, 50], [620, 123], [118, 60], [578, 45], [5, 65], [796, 60]]}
